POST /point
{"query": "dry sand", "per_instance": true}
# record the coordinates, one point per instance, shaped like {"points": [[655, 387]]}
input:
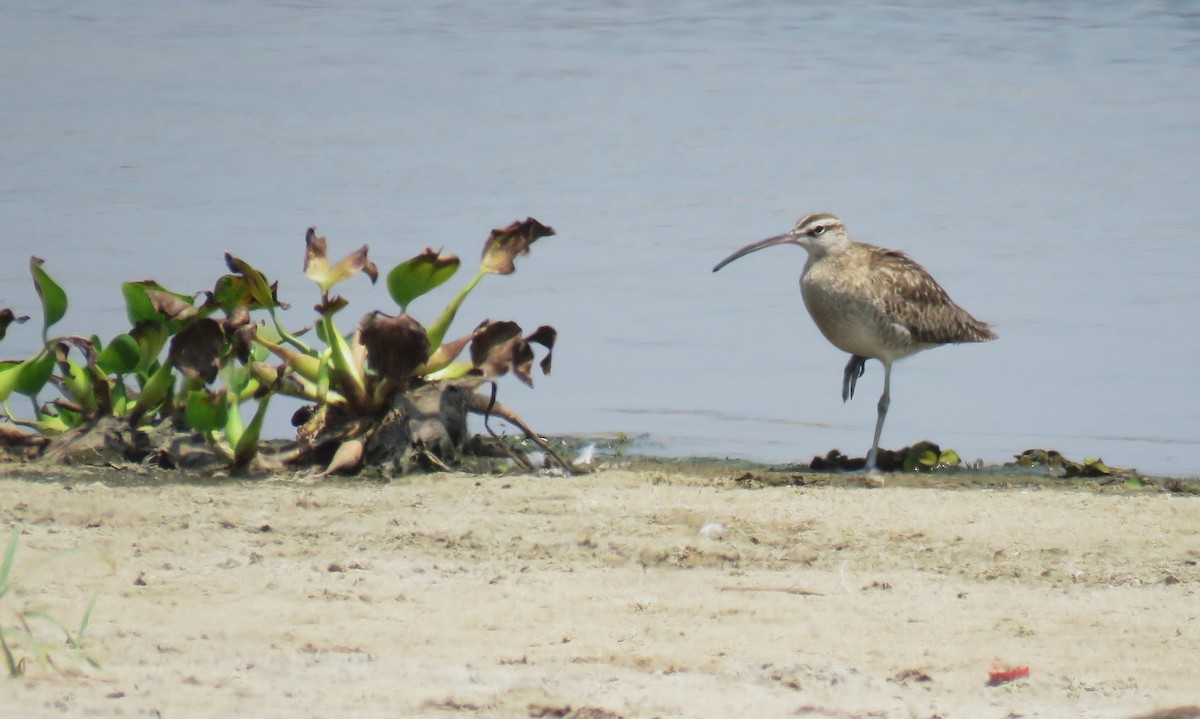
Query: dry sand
{"points": [[599, 596]]}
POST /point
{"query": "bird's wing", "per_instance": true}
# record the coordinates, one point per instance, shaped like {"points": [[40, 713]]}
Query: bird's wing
{"points": [[912, 298]]}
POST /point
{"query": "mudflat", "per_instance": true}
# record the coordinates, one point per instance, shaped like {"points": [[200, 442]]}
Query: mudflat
{"points": [[623, 593]]}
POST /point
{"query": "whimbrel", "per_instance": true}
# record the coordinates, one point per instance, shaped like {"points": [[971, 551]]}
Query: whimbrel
{"points": [[872, 302]]}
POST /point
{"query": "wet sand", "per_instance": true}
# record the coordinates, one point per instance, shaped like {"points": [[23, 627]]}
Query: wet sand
{"points": [[631, 593]]}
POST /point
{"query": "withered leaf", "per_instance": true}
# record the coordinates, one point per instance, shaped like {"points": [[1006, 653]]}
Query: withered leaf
{"points": [[348, 457], [316, 254], [240, 331], [487, 337], [63, 347], [195, 351], [505, 244], [498, 348], [11, 436], [318, 269], [396, 346], [7, 318], [98, 382], [170, 305], [545, 336], [249, 287], [331, 305]]}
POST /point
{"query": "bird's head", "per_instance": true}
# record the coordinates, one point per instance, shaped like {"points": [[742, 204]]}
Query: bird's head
{"points": [[819, 233]]}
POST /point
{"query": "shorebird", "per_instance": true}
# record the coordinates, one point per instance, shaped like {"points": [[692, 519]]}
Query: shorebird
{"points": [[872, 302]]}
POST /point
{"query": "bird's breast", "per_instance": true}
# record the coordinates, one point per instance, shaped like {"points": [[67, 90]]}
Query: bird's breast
{"points": [[851, 319]]}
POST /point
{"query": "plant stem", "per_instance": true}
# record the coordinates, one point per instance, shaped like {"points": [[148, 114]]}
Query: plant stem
{"points": [[342, 359], [437, 331], [233, 421], [288, 336]]}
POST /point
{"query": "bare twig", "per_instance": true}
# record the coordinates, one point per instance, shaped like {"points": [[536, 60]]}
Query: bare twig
{"points": [[487, 413], [433, 459], [487, 406], [785, 590]]}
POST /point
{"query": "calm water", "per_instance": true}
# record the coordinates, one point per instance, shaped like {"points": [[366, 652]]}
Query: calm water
{"points": [[1041, 159]]}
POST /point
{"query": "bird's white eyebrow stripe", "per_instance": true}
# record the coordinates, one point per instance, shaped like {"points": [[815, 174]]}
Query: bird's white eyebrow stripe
{"points": [[816, 219]]}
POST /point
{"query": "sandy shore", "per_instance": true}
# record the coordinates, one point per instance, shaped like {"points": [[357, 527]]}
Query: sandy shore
{"points": [[601, 596]]}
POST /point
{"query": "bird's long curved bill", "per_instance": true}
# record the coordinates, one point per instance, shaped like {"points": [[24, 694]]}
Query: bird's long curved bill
{"points": [[755, 247]]}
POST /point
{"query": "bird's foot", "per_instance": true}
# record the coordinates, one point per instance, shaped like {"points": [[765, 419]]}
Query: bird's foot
{"points": [[871, 465], [855, 368]]}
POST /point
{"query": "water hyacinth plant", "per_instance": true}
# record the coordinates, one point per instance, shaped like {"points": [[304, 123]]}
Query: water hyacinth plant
{"points": [[391, 356], [221, 353]]}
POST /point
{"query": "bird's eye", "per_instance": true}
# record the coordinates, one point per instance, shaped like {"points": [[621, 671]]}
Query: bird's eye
{"points": [[817, 230]]}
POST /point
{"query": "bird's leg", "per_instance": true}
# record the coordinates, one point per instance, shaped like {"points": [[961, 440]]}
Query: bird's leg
{"points": [[855, 368], [884, 401]]}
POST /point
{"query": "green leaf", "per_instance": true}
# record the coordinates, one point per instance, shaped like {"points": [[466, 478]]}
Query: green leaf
{"points": [[121, 356], [77, 640], [353, 382], [151, 337], [238, 378], [54, 298], [120, 402], [36, 374], [138, 306], [10, 376], [69, 418], [206, 411], [303, 364], [49, 424], [412, 278], [148, 301], [323, 378], [77, 383], [949, 458], [6, 564], [247, 444], [454, 370], [157, 389]]}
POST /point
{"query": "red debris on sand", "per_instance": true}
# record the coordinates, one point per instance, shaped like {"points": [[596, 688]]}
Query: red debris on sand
{"points": [[1002, 675]]}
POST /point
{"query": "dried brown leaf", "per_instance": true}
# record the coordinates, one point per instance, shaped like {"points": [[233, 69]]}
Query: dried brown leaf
{"points": [[318, 269], [249, 286], [348, 457], [544, 336], [498, 348], [492, 346], [7, 318], [505, 244], [316, 254], [169, 305], [195, 351], [331, 305], [396, 346], [240, 331]]}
